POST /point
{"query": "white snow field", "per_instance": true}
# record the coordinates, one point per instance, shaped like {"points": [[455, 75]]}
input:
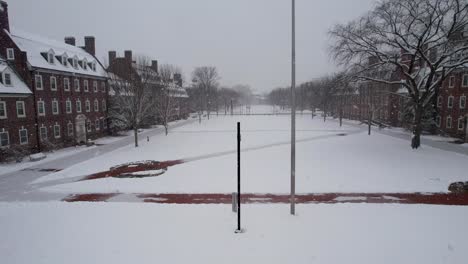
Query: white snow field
{"points": [[53, 233], [326, 162]]}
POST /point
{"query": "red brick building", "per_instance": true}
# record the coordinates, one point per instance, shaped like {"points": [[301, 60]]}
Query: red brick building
{"points": [[68, 83]]}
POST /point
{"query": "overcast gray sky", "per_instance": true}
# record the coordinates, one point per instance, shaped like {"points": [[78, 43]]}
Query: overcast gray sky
{"points": [[247, 40]]}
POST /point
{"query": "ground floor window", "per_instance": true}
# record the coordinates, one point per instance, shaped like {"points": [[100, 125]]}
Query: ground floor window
{"points": [[23, 133], [43, 133], [97, 124], [461, 123], [70, 129], [4, 139], [448, 122], [57, 131]]}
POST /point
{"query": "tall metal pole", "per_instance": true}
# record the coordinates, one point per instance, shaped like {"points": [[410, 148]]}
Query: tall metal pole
{"points": [[293, 111], [238, 179]]}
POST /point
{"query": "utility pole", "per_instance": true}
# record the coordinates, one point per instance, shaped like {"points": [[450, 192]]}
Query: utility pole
{"points": [[293, 111]]}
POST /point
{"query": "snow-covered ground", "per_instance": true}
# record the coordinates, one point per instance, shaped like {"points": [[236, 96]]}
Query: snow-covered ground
{"points": [[326, 162], [115, 233]]}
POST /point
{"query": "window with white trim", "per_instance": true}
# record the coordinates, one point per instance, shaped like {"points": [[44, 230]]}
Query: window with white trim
{"points": [[55, 107], [3, 110], [20, 109], [23, 136], [53, 83], [65, 60], [70, 129], [77, 85], [85, 85], [97, 124], [448, 122], [68, 106], [51, 57], [451, 81], [4, 138], [40, 108], [462, 102], [103, 87], [88, 105], [438, 120], [78, 106], [75, 62], [96, 105], [66, 84], [10, 54], [104, 106], [43, 132], [95, 86], [56, 130], [450, 102], [465, 80], [439, 101], [38, 82], [461, 123], [85, 65], [7, 79]]}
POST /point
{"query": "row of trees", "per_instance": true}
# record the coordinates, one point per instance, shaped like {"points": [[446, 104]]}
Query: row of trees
{"points": [[421, 42]]}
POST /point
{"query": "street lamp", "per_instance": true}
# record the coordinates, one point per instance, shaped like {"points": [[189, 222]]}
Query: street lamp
{"points": [[293, 111]]}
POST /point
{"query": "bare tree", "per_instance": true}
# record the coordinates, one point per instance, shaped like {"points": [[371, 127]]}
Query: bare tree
{"points": [[166, 97], [131, 100], [423, 40], [206, 78]]}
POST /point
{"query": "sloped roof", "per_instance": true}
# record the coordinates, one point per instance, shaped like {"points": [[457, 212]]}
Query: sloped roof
{"points": [[17, 87], [35, 46]]}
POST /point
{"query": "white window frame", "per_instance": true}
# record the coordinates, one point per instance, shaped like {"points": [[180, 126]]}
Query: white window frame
{"points": [[24, 109], [461, 123], [462, 99], [97, 125], [9, 79], [440, 101], [51, 58], [41, 134], [68, 106], [4, 106], [464, 84], [86, 86], [76, 84], [78, 106], [447, 123], [20, 138], [103, 87], [53, 80], [451, 81], [66, 84], [7, 138], [55, 103], [95, 86], [10, 54], [38, 80], [87, 106], [96, 105], [450, 102], [70, 125], [85, 64], [65, 60], [39, 104], [55, 131]]}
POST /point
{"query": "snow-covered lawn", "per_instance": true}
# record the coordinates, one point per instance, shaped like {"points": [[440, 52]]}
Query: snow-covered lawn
{"points": [[115, 233], [326, 162]]}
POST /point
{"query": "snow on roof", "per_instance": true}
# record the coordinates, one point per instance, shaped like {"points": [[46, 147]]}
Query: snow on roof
{"points": [[36, 46], [17, 85]]}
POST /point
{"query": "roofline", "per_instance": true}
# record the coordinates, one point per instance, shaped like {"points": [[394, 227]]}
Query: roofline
{"points": [[37, 69]]}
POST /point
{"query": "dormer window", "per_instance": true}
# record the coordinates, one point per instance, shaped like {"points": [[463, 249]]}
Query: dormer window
{"points": [[10, 54], [65, 60], [51, 57], [93, 66], [75, 62], [5, 78], [85, 64]]}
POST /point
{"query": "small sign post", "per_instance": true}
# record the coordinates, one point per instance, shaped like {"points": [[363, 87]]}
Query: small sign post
{"points": [[238, 230]]}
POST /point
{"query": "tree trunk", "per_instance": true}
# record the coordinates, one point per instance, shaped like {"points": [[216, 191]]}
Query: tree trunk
{"points": [[369, 122], [417, 127], [166, 126], [341, 117], [135, 132]]}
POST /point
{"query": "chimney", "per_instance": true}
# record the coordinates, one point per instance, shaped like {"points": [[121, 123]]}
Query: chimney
{"points": [[128, 56], [112, 56], [70, 41], [90, 45], [154, 65], [4, 22]]}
